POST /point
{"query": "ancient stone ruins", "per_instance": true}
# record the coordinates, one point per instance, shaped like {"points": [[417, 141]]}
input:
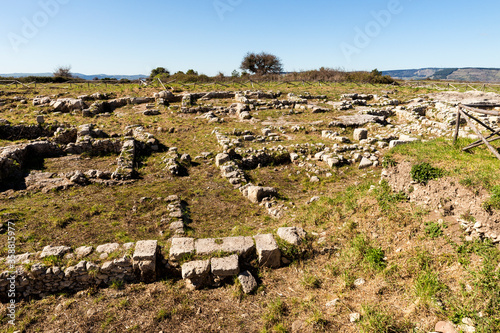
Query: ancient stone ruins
{"points": [[359, 137]]}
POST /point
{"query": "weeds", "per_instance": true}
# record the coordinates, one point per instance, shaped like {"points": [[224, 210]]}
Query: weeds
{"points": [[163, 314], [428, 288], [52, 261], [424, 172], [117, 284], [311, 281], [275, 313], [373, 256], [378, 320], [494, 201], [433, 229]]}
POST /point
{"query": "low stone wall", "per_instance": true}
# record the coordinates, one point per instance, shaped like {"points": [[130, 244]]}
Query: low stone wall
{"points": [[38, 280], [27, 132], [207, 268]]}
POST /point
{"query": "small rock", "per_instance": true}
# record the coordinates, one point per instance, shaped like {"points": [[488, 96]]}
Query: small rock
{"points": [[292, 235], [360, 134], [107, 248], [247, 281], [354, 317], [83, 251], [359, 282], [332, 303], [314, 179], [444, 327], [313, 199], [365, 163]]}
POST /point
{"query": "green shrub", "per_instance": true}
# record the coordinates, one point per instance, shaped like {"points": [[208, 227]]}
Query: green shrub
{"points": [[494, 200], [424, 172], [375, 258]]}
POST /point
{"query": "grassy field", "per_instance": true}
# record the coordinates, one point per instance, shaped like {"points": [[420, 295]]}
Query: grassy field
{"points": [[368, 251]]}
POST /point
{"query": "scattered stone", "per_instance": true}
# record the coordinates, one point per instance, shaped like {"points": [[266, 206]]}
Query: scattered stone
{"points": [[365, 163], [57, 251], [313, 199], [107, 248], [332, 303], [314, 179], [359, 282], [354, 317], [151, 112], [257, 193], [83, 251], [445, 327], [292, 235], [360, 134], [247, 281]]}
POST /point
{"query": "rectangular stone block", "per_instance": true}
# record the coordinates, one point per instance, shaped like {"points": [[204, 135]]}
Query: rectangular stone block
{"points": [[145, 250], [206, 246], [227, 266], [243, 246], [181, 247], [195, 269], [268, 252]]}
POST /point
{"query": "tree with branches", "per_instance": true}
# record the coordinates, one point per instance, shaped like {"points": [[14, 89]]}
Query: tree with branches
{"points": [[262, 63], [159, 70], [63, 71]]}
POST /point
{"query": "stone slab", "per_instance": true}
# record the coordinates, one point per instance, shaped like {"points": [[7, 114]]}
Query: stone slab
{"points": [[181, 247]]}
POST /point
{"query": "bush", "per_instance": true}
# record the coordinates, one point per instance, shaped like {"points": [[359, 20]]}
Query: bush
{"points": [[494, 200], [424, 172]]}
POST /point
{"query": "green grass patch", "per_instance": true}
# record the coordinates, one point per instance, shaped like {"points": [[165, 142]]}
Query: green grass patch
{"points": [[478, 167], [433, 229], [375, 319]]}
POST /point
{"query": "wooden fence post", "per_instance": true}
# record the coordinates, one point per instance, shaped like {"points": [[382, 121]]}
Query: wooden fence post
{"points": [[457, 125]]}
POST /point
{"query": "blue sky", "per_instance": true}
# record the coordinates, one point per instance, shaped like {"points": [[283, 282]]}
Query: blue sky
{"points": [[133, 37]]}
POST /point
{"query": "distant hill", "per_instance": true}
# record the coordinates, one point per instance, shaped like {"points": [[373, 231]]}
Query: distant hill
{"points": [[455, 74], [82, 76]]}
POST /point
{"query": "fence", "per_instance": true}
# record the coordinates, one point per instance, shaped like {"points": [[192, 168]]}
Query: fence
{"points": [[495, 134], [259, 83]]}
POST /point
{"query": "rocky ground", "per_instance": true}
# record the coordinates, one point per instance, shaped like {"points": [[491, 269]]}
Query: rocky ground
{"points": [[141, 209]]}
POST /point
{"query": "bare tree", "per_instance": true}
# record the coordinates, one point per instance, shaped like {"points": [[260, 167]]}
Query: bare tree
{"points": [[262, 63], [63, 71]]}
